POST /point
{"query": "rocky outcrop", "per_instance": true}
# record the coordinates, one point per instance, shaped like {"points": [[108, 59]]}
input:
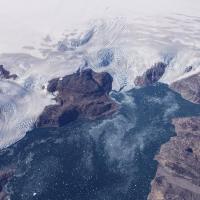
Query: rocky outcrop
{"points": [[152, 75], [178, 174], [84, 94], [189, 88], [4, 74]]}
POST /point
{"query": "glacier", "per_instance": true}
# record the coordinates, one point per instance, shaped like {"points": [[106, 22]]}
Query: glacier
{"points": [[123, 46]]}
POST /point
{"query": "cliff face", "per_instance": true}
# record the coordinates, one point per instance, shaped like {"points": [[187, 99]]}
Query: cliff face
{"points": [[178, 174], [82, 94]]}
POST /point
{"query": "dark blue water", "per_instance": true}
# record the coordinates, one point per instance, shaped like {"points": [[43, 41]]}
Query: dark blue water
{"points": [[102, 160]]}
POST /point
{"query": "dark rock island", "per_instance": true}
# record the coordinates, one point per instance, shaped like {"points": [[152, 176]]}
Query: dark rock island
{"points": [[152, 75], [84, 94], [4, 74]]}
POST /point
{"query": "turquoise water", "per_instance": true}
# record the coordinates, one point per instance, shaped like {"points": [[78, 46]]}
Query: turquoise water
{"points": [[98, 160]]}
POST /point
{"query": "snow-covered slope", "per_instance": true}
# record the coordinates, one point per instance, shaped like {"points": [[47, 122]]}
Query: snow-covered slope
{"points": [[124, 46]]}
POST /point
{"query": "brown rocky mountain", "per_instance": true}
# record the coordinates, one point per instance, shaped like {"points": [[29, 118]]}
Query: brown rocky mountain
{"points": [[84, 94]]}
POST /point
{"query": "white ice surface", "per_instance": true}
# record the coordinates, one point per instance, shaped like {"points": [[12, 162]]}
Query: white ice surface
{"points": [[34, 34]]}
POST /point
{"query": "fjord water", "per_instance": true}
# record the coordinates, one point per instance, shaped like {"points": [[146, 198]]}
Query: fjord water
{"points": [[98, 160]]}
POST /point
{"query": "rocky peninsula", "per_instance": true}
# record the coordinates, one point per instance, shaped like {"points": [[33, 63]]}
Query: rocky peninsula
{"points": [[178, 173]]}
